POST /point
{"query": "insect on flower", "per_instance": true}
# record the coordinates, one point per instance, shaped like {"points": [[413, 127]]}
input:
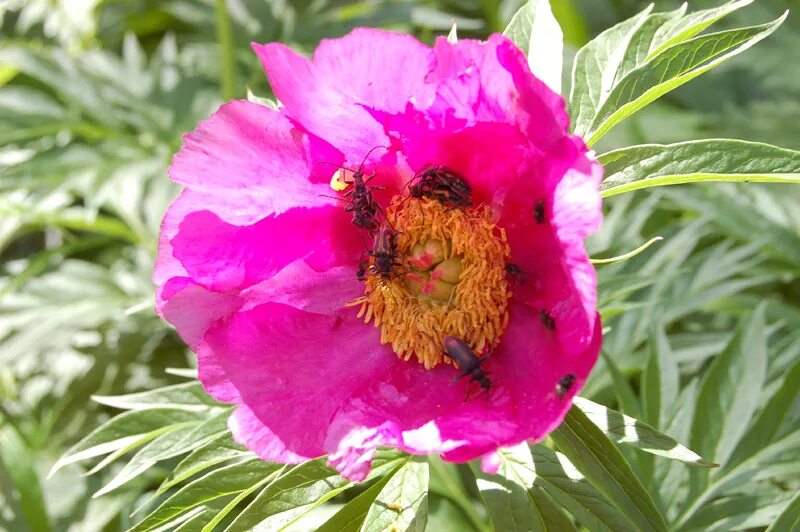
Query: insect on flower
{"points": [[468, 361], [362, 204], [443, 185], [384, 252], [361, 273], [515, 272], [538, 212], [564, 384]]}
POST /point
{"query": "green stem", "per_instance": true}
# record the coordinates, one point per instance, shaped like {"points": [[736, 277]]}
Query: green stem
{"points": [[227, 58]]}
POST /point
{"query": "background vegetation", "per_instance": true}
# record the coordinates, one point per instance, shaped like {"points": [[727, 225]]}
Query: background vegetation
{"points": [[94, 98]]}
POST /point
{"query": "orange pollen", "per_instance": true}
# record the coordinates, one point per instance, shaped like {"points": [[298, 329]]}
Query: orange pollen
{"points": [[452, 281]]}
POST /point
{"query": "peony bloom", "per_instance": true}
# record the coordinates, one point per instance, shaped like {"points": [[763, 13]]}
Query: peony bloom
{"points": [[329, 337]]}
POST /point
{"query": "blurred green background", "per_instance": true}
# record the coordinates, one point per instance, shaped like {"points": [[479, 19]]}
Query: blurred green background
{"points": [[94, 98]]}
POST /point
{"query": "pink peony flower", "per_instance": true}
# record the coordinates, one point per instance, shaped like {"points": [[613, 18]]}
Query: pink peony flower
{"points": [[262, 270]]}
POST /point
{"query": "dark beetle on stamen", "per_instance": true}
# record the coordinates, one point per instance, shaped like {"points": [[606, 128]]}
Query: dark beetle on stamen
{"points": [[547, 320], [538, 212], [443, 185], [468, 362], [564, 384], [384, 252]]}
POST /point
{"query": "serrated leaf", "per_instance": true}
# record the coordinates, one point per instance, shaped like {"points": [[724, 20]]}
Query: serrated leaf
{"points": [[651, 165], [226, 481], [187, 396], [725, 405], [594, 455], [559, 478], [219, 450], [350, 517], [123, 430], [668, 70], [514, 501], [789, 518], [403, 502], [626, 430], [595, 68], [301, 489], [535, 30]]}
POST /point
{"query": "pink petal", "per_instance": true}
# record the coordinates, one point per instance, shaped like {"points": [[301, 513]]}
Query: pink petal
{"points": [[247, 162], [225, 257], [312, 99], [350, 65], [423, 411], [292, 369]]}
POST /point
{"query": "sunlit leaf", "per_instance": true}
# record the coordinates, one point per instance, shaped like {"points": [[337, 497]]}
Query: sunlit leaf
{"points": [[594, 455], [653, 165], [402, 504], [534, 29], [668, 70], [514, 501], [626, 430], [559, 478]]}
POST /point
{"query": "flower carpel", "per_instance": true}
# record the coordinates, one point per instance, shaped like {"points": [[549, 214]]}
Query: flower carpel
{"points": [[453, 284]]}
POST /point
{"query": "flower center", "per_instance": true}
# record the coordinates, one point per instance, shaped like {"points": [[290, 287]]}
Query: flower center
{"points": [[449, 280]]}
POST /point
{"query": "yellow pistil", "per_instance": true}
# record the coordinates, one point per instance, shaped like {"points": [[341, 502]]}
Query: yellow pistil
{"points": [[453, 281]]}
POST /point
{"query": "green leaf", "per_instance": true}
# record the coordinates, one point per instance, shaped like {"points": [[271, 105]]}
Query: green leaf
{"points": [[638, 49], [19, 463], [668, 70], [179, 439], [627, 399], [219, 450], [188, 396], [678, 30], [447, 482], [535, 30], [302, 489], [557, 476], [725, 405], [514, 501], [352, 514], [779, 416], [123, 431], [223, 482], [660, 380], [594, 455], [626, 430], [651, 165], [740, 512], [789, 518], [778, 461], [403, 503], [595, 68]]}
